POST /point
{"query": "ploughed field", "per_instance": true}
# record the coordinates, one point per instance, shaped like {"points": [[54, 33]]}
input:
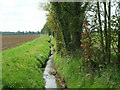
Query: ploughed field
{"points": [[10, 41]]}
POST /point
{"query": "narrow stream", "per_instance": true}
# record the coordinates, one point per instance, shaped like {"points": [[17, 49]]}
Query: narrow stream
{"points": [[48, 77]]}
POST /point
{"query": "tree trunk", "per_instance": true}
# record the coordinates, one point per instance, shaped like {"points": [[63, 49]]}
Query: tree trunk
{"points": [[119, 46], [100, 30], [78, 22], [119, 40], [106, 33], [109, 28]]}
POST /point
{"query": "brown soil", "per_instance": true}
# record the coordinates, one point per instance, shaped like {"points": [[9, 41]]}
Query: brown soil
{"points": [[10, 41], [60, 80]]}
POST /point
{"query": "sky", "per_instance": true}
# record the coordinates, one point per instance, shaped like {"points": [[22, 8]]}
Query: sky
{"points": [[21, 15]]}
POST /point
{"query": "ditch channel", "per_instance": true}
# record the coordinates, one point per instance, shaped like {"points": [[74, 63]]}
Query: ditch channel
{"points": [[51, 76]]}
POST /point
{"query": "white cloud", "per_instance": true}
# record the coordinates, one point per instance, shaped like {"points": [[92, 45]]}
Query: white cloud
{"points": [[21, 15]]}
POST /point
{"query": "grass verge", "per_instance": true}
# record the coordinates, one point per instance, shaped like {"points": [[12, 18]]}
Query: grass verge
{"points": [[71, 69], [22, 66]]}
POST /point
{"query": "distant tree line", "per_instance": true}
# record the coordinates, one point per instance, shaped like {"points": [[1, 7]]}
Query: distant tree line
{"points": [[20, 33], [46, 30]]}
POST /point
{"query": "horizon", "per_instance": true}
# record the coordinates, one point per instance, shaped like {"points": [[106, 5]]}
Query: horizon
{"points": [[20, 31]]}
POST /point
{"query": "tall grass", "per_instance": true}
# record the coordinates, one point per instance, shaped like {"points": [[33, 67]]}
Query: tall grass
{"points": [[22, 66], [71, 69]]}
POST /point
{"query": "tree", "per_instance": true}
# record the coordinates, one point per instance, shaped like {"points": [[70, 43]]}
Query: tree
{"points": [[118, 18], [100, 29], [46, 30]]}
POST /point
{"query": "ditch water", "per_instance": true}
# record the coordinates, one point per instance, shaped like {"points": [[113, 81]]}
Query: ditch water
{"points": [[50, 80]]}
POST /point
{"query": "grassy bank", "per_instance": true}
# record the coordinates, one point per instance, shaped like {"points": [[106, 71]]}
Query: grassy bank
{"points": [[71, 69], [23, 66]]}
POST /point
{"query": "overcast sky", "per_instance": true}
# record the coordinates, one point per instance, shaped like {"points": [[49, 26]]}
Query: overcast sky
{"points": [[22, 15]]}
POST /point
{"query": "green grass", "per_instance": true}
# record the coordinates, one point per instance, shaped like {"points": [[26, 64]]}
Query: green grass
{"points": [[71, 69], [21, 65]]}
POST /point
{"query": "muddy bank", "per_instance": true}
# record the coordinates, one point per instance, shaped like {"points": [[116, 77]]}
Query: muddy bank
{"points": [[61, 83]]}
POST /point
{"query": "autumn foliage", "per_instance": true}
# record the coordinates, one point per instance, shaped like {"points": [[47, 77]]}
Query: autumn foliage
{"points": [[86, 41]]}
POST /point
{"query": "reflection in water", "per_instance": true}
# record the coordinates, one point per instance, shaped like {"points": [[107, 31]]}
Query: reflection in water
{"points": [[49, 78]]}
